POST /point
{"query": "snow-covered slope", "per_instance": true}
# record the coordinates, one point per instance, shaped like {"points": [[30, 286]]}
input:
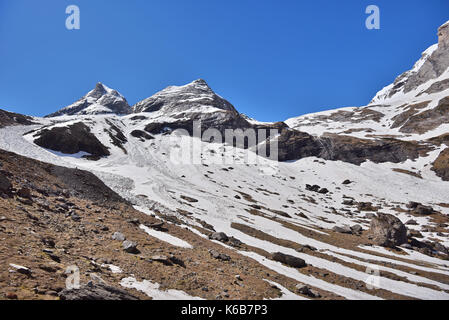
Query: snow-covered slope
{"points": [[100, 100]]}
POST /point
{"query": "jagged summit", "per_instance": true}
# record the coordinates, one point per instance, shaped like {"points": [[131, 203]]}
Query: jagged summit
{"points": [[196, 96], [100, 100], [431, 69]]}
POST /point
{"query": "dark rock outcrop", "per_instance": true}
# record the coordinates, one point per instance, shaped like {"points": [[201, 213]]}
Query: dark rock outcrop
{"points": [[72, 139], [289, 260]]}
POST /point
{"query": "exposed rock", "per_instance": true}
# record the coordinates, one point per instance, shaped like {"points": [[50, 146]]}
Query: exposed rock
{"points": [[356, 228], [343, 229], [21, 269], [72, 139], [388, 230], [305, 290], [142, 135], [5, 185], [24, 193], [96, 292], [289, 260], [411, 222], [118, 236], [219, 236], [220, 256], [130, 247]]}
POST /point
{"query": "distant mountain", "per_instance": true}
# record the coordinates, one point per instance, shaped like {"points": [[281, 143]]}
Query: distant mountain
{"points": [[101, 100], [194, 97]]}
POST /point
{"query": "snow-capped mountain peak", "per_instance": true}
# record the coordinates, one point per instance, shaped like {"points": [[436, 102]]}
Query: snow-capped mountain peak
{"points": [[431, 68], [100, 100], [196, 96]]}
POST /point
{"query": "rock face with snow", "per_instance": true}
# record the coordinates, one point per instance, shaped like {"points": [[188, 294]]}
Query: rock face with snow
{"points": [[433, 63], [72, 139], [101, 100], [180, 100]]}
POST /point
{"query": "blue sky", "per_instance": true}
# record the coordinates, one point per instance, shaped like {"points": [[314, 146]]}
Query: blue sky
{"points": [[271, 59]]}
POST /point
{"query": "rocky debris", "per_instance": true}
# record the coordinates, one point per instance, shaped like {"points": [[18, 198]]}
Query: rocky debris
{"points": [[134, 221], [420, 209], [118, 236], [156, 225], [289, 260], [343, 229], [305, 290], [189, 199], [356, 229], [21, 269], [72, 139], [142, 135], [24, 193], [49, 242], [346, 182], [414, 233], [167, 260], [130, 247], [97, 291], [313, 188], [366, 206], [11, 296], [101, 100], [441, 165], [219, 256], [388, 231], [222, 237], [219, 236], [306, 247], [5, 185], [411, 222], [323, 191]]}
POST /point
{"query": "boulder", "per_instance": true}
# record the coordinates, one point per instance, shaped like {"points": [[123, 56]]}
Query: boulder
{"points": [[219, 256], [219, 236], [356, 228], [5, 185], [289, 260], [118, 236], [130, 247], [388, 231], [344, 229], [305, 290]]}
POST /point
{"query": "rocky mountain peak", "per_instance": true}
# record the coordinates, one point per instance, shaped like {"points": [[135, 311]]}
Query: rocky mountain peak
{"points": [[432, 66], [100, 100], [196, 97]]}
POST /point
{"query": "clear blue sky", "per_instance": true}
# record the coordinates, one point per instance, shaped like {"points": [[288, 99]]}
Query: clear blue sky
{"points": [[271, 59]]}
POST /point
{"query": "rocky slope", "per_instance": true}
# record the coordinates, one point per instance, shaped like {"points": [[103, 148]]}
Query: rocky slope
{"points": [[355, 191]]}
